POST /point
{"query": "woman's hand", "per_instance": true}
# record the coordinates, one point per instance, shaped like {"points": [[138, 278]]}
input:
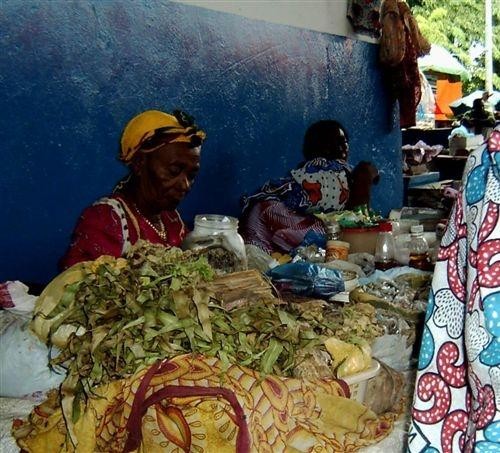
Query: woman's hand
{"points": [[366, 171], [364, 175]]}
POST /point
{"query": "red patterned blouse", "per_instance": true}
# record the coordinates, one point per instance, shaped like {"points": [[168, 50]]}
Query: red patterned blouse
{"points": [[111, 226]]}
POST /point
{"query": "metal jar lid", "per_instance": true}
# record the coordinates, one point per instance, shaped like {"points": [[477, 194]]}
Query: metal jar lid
{"points": [[333, 227]]}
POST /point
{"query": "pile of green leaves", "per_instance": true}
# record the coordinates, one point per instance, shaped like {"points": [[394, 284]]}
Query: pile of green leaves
{"points": [[360, 217], [123, 314], [261, 336]]}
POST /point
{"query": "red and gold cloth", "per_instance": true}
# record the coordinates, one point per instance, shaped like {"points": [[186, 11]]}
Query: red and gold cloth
{"points": [[192, 404]]}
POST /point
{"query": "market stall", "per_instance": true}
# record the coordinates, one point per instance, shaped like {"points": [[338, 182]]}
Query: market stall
{"points": [[220, 345], [172, 349]]}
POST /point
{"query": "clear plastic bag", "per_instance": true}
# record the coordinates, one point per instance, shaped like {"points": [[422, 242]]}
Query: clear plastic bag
{"points": [[258, 259], [393, 351]]}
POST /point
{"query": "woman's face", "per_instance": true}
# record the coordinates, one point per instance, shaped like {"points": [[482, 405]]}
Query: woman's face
{"points": [[342, 144], [166, 176]]}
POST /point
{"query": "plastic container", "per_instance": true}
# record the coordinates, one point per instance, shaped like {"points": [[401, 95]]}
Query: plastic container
{"points": [[337, 250], [402, 242], [385, 250], [405, 225], [357, 382], [217, 236], [351, 282], [419, 249], [362, 240]]}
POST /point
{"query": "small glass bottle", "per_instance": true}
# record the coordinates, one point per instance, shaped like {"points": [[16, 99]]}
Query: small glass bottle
{"points": [[419, 249], [385, 249], [333, 231]]}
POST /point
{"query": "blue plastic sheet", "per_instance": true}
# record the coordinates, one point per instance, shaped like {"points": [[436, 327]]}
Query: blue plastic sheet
{"points": [[307, 279], [314, 238]]}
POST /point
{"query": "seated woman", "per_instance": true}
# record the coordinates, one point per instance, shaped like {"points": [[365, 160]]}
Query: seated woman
{"points": [[481, 119], [163, 154], [463, 130], [278, 216]]}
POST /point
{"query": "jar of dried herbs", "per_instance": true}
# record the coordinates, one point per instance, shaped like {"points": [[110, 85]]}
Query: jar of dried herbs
{"points": [[218, 239]]}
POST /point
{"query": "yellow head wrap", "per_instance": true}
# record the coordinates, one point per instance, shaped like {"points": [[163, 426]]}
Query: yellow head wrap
{"points": [[175, 128]]}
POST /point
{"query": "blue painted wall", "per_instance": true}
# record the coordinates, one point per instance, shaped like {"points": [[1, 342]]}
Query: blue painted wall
{"points": [[72, 74]]}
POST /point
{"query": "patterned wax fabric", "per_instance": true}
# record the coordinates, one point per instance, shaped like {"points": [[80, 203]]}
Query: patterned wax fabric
{"points": [[457, 393], [278, 216], [400, 46], [318, 185], [324, 185], [176, 128], [273, 227], [194, 404], [111, 225]]}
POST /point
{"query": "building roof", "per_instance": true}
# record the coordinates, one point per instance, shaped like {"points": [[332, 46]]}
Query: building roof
{"points": [[441, 60]]}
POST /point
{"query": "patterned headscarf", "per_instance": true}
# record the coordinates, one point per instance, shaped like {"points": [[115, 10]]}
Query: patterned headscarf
{"points": [[151, 129]]}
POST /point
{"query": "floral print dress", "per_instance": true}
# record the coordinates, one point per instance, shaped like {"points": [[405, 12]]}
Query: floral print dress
{"points": [[457, 393]]}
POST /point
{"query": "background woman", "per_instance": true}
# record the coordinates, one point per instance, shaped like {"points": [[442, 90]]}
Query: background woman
{"points": [[163, 154], [280, 214], [482, 119]]}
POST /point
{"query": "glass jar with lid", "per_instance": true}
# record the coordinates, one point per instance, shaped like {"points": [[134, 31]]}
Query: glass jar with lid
{"points": [[218, 239], [332, 231], [335, 248]]}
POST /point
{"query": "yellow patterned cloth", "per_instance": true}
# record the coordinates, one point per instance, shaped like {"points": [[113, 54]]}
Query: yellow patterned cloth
{"points": [[191, 404], [176, 128]]}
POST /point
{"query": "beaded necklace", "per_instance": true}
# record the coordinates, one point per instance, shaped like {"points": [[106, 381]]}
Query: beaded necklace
{"points": [[160, 230]]}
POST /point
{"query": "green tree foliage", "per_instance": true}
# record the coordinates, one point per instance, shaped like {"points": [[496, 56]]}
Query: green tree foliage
{"points": [[459, 26]]}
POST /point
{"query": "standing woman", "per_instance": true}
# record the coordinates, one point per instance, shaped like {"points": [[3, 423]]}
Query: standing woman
{"points": [[163, 153], [281, 213], [456, 406]]}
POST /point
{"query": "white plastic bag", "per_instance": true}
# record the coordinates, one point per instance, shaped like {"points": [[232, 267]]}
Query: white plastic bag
{"points": [[24, 359], [393, 351], [15, 299]]}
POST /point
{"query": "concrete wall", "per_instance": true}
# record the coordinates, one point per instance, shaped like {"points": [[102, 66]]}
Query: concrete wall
{"points": [[72, 74], [326, 16]]}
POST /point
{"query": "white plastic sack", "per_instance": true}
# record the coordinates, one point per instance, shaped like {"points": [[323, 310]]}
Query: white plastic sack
{"points": [[24, 368], [24, 359], [392, 350], [15, 299]]}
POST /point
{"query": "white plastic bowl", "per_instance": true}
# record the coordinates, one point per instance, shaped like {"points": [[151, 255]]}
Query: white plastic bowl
{"points": [[357, 382]]}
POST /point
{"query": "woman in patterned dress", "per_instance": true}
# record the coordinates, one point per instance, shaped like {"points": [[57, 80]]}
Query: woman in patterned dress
{"points": [[280, 214], [457, 395], [163, 153]]}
